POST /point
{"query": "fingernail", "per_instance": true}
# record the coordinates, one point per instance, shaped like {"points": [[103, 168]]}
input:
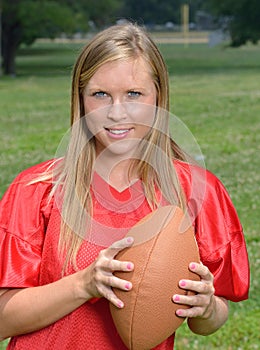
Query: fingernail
{"points": [[129, 266], [179, 312], [192, 266], [130, 240], [120, 304], [176, 298], [128, 286], [182, 283]]}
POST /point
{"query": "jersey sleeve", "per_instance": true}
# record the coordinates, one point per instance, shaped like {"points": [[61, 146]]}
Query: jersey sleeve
{"points": [[221, 242], [24, 212]]}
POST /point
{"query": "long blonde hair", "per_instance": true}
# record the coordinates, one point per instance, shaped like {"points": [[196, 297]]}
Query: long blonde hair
{"points": [[74, 172]]}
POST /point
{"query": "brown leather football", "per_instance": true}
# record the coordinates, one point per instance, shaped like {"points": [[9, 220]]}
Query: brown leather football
{"points": [[164, 246]]}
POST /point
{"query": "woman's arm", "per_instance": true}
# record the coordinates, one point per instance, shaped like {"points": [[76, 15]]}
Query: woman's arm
{"points": [[213, 321], [27, 310], [207, 312], [30, 309]]}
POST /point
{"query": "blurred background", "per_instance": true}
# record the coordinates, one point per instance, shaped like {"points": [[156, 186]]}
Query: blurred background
{"points": [[24, 21], [212, 52]]}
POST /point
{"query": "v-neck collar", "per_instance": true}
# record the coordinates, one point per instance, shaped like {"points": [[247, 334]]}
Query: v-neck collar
{"points": [[115, 200]]}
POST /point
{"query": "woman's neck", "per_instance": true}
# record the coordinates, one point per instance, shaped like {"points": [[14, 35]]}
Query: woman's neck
{"points": [[118, 173]]}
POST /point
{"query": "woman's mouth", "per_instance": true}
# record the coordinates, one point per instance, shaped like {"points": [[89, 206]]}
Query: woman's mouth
{"points": [[118, 133]]}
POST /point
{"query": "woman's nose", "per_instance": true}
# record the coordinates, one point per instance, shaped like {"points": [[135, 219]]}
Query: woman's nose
{"points": [[117, 112]]}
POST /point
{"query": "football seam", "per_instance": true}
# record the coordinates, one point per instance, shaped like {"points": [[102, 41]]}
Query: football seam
{"points": [[139, 285]]}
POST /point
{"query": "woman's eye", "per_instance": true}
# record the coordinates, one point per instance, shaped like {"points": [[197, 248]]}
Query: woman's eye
{"points": [[100, 94], [134, 94]]}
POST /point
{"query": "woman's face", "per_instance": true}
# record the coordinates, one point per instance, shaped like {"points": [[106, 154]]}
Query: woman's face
{"points": [[119, 103]]}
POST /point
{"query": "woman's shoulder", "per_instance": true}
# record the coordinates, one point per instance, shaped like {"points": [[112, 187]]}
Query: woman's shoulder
{"points": [[203, 189], [193, 173], [36, 171], [30, 186]]}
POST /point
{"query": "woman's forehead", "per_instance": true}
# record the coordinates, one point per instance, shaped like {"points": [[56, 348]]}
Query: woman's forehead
{"points": [[133, 69]]}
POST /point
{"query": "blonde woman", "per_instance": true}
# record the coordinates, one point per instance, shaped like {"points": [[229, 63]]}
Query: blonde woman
{"points": [[62, 222]]}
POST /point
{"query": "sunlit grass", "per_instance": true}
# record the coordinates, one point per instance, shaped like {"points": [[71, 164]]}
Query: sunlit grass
{"points": [[214, 91]]}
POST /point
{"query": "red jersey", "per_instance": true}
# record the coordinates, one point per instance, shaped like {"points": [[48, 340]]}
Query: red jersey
{"points": [[29, 235]]}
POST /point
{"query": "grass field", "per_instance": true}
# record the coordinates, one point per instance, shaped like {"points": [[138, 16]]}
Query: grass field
{"points": [[214, 91]]}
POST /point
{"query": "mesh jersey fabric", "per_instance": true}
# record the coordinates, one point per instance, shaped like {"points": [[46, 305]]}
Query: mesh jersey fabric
{"points": [[29, 235]]}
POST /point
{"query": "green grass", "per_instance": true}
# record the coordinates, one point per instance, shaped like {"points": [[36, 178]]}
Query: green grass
{"points": [[214, 91]]}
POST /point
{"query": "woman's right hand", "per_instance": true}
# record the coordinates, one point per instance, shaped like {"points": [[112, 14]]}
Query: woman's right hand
{"points": [[101, 272], [26, 310]]}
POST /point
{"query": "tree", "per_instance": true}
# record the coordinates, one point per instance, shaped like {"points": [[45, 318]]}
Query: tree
{"points": [[101, 12], [23, 21], [152, 11], [242, 19]]}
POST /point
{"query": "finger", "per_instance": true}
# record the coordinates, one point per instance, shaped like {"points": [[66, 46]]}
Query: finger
{"points": [[192, 300], [201, 270], [197, 305], [108, 293], [105, 290], [198, 287], [118, 283], [117, 246], [111, 265], [110, 280], [191, 312]]}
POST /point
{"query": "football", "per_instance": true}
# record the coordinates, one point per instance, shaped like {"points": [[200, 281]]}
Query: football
{"points": [[163, 248]]}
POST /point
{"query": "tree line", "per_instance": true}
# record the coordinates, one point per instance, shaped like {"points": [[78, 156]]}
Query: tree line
{"points": [[23, 21]]}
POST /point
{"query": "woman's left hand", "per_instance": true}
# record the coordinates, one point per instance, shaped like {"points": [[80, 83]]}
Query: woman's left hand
{"points": [[202, 303]]}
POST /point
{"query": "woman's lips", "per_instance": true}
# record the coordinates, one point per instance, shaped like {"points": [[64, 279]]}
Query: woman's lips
{"points": [[118, 133]]}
